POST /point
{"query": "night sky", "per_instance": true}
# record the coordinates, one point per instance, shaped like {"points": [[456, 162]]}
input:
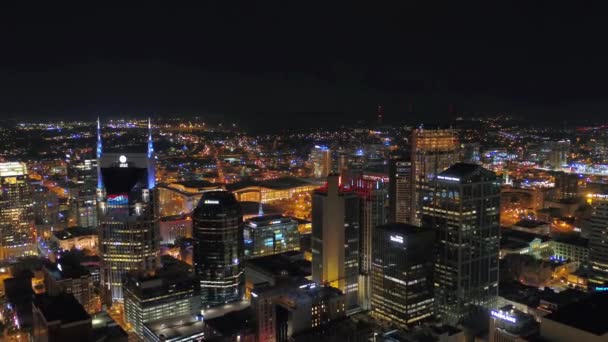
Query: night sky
{"points": [[306, 63]]}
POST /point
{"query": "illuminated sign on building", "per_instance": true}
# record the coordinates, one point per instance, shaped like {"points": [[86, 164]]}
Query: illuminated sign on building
{"points": [[454, 179], [601, 288], [275, 222], [120, 199], [212, 202], [503, 316], [123, 161], [397, 238]]}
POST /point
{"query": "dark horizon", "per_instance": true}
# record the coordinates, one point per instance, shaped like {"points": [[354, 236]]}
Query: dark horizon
{"points": [[271, 65]]}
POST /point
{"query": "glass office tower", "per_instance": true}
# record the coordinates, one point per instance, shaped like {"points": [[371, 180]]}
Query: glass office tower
{"points": [[463, 209], [218, 247]]}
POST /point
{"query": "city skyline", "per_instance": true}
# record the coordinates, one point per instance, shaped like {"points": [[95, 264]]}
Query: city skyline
{"points": [[296, 172]]}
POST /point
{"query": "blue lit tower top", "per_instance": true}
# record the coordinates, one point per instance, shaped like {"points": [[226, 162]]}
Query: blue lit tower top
{"points": [[99, 151], [150, 144], [151, 161]]}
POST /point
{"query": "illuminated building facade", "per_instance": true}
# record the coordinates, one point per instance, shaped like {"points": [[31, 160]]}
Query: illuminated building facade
{"points": [[270, 234], [76, 238], [320, 157], [170, 291], [127, 216], [182, 197], [271, 190], [432, 152], [16, 212], [598, 246], [84, 208], [83, 204], [175, 227], [402, 273], [335, 239], [218, 247], [401, 193], [511, 325], [463, 210]]}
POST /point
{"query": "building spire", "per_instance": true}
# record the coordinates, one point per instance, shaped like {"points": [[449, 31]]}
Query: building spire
{"points": [[99, 150], [150, 144], [151, 161], [98, 154]]}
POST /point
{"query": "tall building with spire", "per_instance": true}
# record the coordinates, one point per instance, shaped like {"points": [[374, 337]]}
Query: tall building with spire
{"points": [[127, 212]]}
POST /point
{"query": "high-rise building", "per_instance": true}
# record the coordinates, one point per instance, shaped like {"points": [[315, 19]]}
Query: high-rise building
{"points": [[218, 247], [335, 239], [127, 215], [432, 152], [373, 199], [84, 211], [463, 209], [70, 277], [170, 291], [320, 156], [598, 246], [402, 273], [270, 234], [401, 193], [373, 195], [16, 211]]}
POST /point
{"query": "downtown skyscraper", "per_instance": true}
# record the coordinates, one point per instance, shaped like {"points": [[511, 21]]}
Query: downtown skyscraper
{"points": [[402, 273], [218, 248], [127, 214], [16, 211], [335, 239], [373, 211], [402, 205], [433, 150], [598, 246], [463, 209]]}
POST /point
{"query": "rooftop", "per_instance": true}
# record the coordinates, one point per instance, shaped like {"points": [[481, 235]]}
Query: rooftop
{"points": [[106, 329], [233, 322], [588, 314], [253, 208], [462, 171], [277, 184], [74, 232], [268, 220], [68, 270], [571, 239], [181, 326], [64, 308], [522, 236], [530, 223], [402, 228], [288, 264], [174, 273]]}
